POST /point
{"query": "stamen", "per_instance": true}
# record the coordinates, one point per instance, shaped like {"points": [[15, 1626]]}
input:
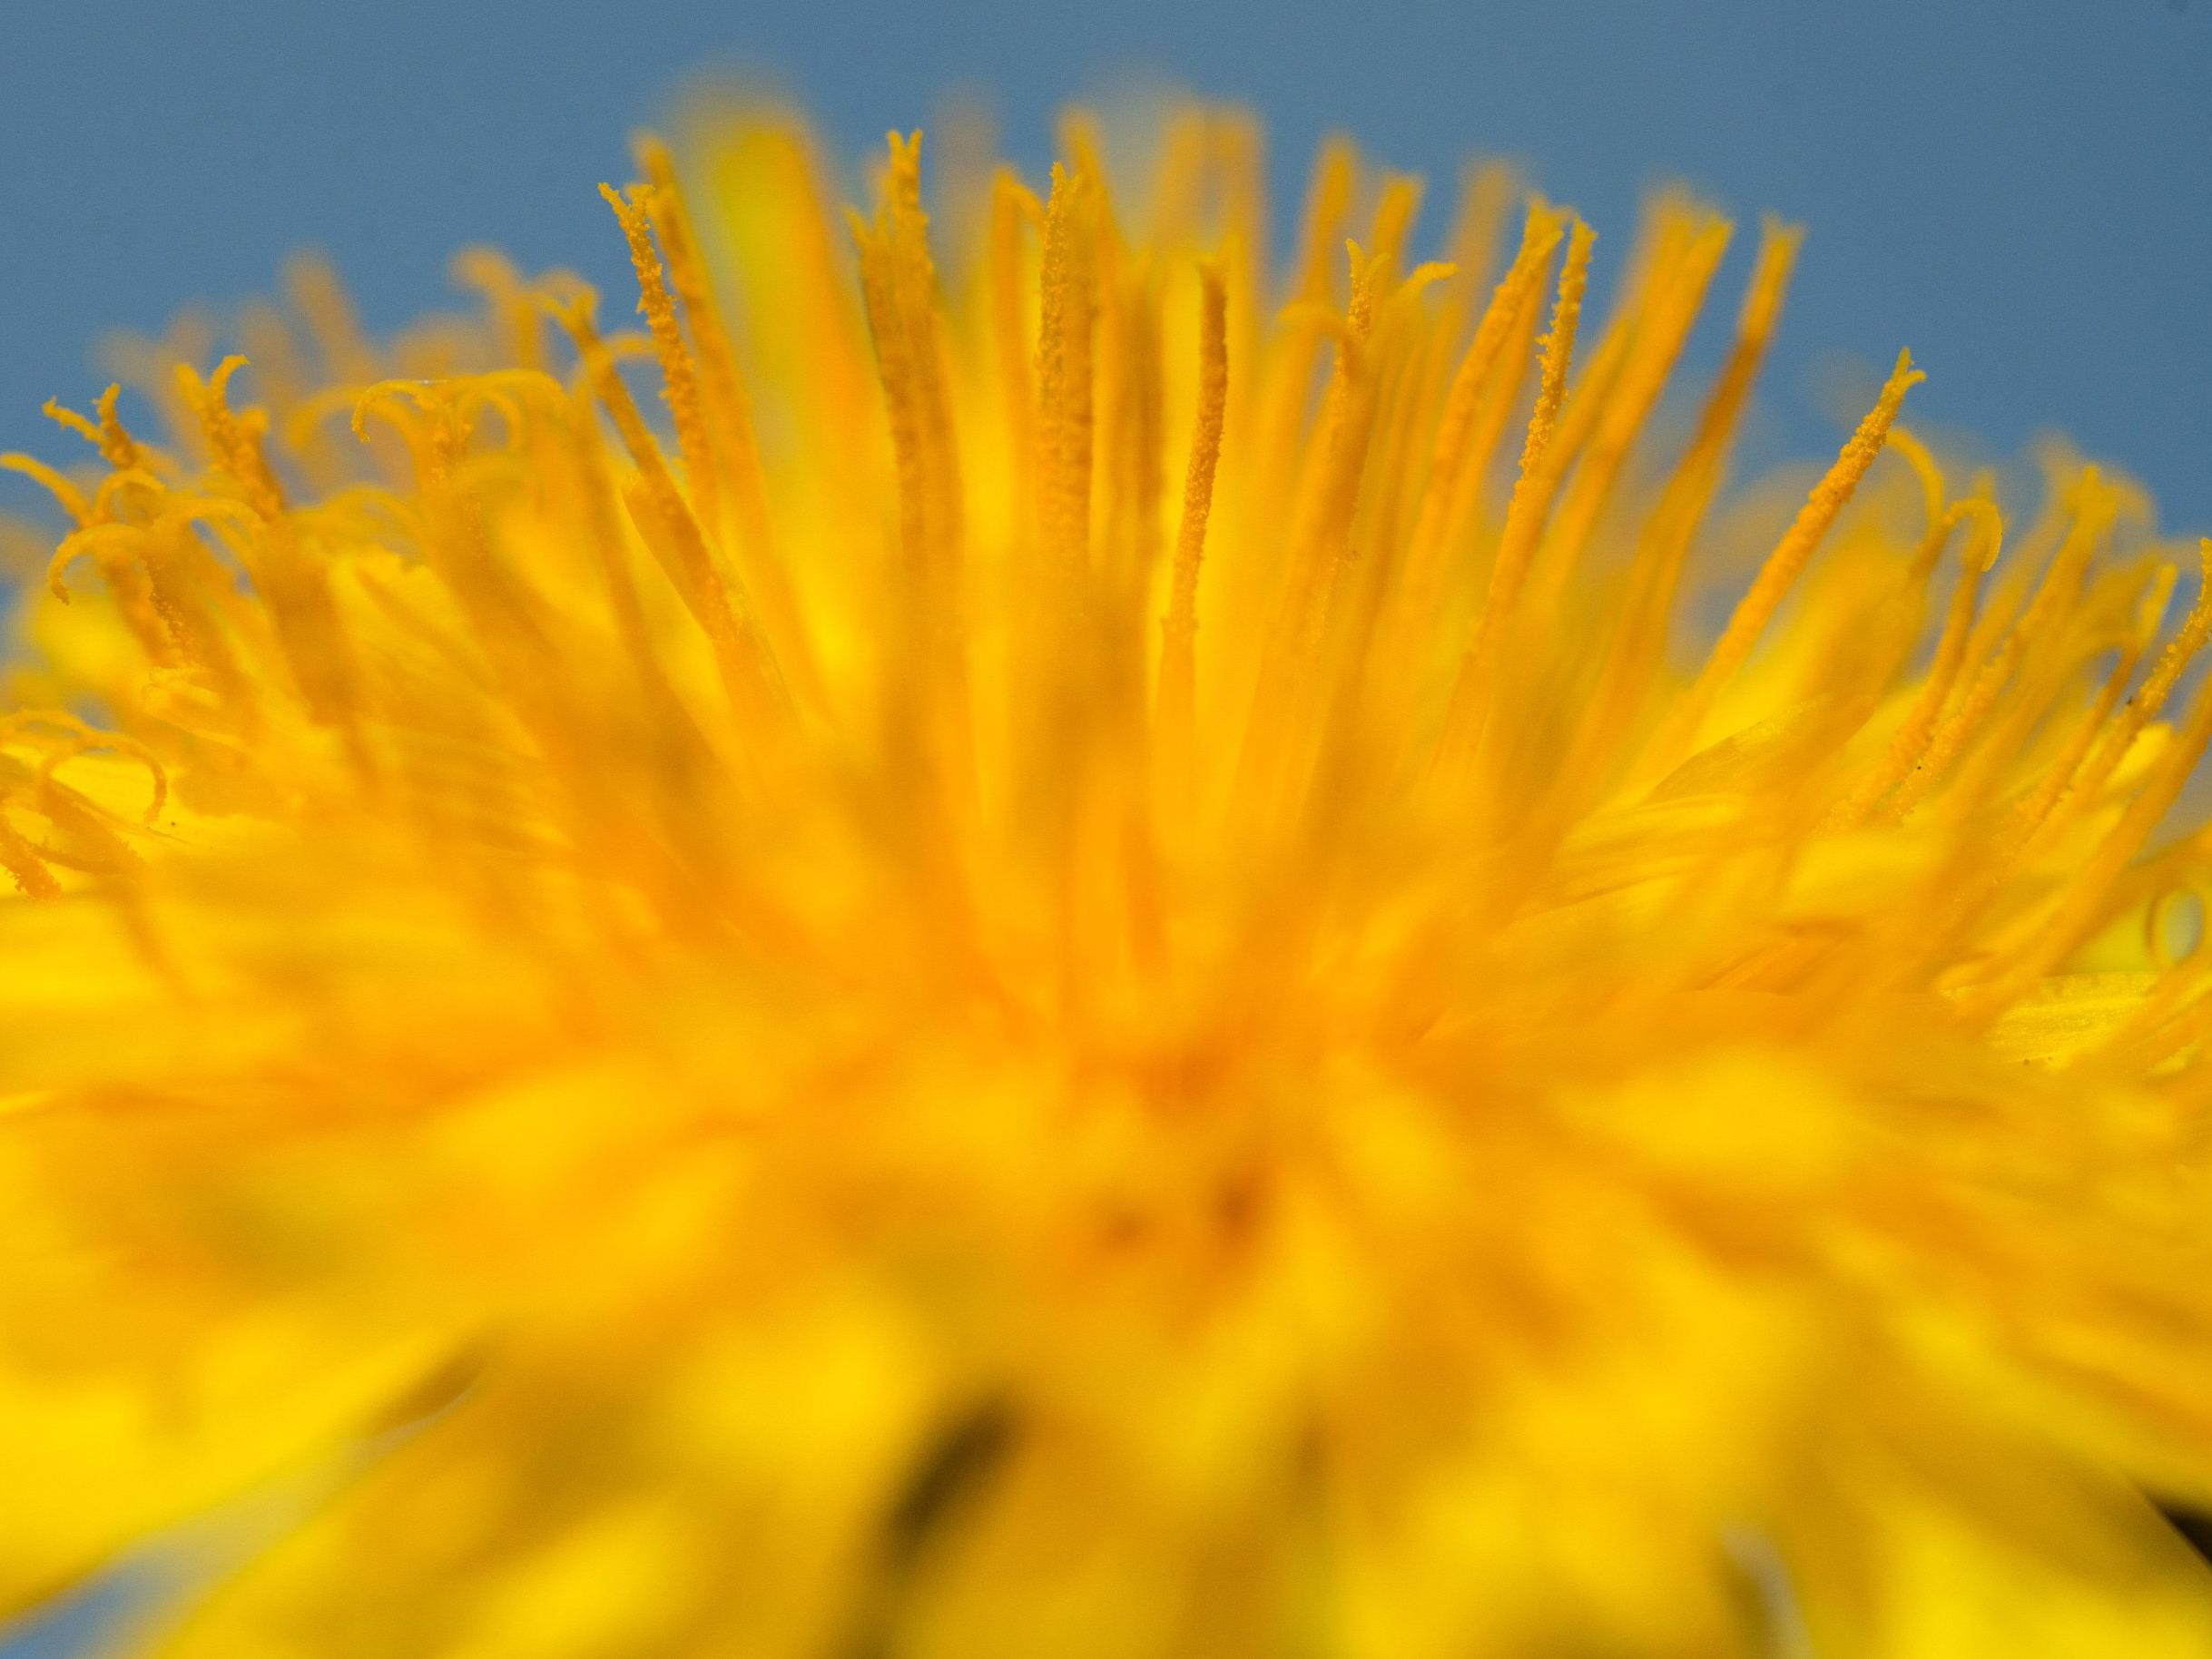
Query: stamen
{"points": [[716, 600], [2081, 904], [1911, 743], [1782, 569], [1064, 376], [1013, 205], [1178, 670], [2147, 702], [1444, 499], [729, 408], [1532, 501], [21, 861], [1654, 572], [69, 497], [679, 383]]}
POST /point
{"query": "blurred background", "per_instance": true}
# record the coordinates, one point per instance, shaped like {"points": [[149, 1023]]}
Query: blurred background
{"points": [[2020, 191]]}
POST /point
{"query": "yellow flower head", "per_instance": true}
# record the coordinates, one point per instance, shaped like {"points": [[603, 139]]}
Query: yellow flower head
{"points": [[1107, 953]]}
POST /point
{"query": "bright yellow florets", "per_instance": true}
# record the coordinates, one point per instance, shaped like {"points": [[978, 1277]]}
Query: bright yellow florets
{"points": [[1062, 974]]}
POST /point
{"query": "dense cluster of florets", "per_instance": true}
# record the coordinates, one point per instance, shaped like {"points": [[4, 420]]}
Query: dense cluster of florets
{"points": [[1065, 971]]}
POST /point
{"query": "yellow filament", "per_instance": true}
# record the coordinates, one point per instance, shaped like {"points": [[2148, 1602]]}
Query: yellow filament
{"points": [[492, 274], [1524, 514], [1328, 203], [1486, 194], [729, 403], [603, 529], [22, 860], [2157, 685], [2031, 813], [320, 298], [1179, 179], [1283, 405], [69, 420], [1531, 498], [1785, 563], [717, 602], [1665, 543], [1394, 215], [2087, 892], [2006, 652], [1013, 205], [1321, 529], [1064, 375], [1911, 743], [680, 385], [1178, 670], [930, 719], [77, 737], [1924, 467], [914, 288], [1134, 485], [769, 181], [734, 461], [69, 497], [1288, 691], [1659, 336], [1244, 235], [234, 448], [1455, 455]]}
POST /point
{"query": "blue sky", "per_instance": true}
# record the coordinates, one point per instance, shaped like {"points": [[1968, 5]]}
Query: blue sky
{"points": [[2017, 189]]}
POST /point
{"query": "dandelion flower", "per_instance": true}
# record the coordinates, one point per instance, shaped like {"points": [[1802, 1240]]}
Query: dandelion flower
{"points": [[1099, 951]]}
